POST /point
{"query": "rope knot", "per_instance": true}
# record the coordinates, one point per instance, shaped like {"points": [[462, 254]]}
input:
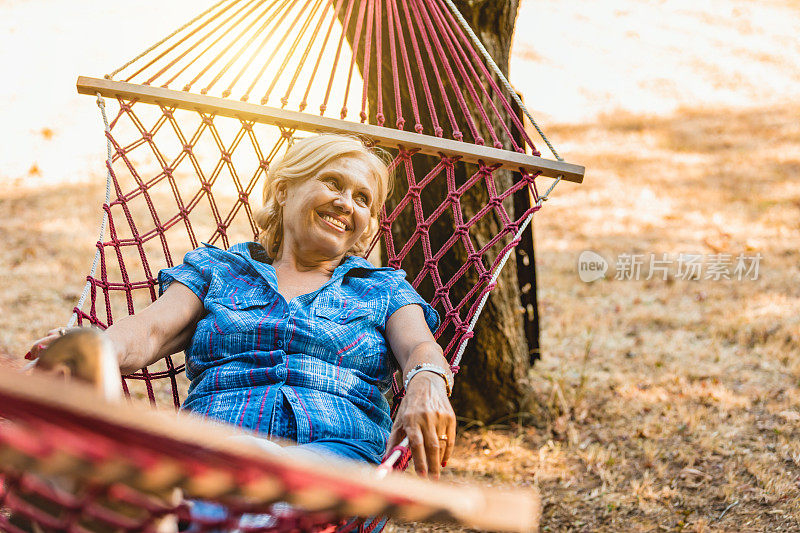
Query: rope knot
{"points": [[168, 171], [222, 229], [449, 162], [264, 164], [451, 315], [461, 230], [226, 156], [454, 369], [243, 197], [147, 136], [418, 128]]}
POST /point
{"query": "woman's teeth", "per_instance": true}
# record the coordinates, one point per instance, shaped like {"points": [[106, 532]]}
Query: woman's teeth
{"points": [[335, 222]]}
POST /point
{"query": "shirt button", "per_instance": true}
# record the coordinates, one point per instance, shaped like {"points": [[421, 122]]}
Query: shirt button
{"points": [[279, 344]]}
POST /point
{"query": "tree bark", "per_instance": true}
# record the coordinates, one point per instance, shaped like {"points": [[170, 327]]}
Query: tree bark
{"points": [[492, 382]]}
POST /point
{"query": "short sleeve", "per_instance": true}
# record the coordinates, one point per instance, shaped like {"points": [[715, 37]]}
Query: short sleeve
{"points": [[404, 294], [194, 272]]}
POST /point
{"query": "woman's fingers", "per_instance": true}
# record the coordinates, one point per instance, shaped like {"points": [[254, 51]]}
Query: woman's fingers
{"points": [[395, 437], [450, 431], [40, 344], [444, 437], [432, 448], [417, 444]]}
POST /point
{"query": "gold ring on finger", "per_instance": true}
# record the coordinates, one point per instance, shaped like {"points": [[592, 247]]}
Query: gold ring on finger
{"points": [[443, 437]]}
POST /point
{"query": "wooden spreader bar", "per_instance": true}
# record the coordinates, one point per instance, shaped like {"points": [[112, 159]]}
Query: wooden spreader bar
{"points": [[386, 137]]}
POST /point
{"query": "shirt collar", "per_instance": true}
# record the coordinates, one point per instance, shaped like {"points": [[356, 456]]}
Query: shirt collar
{"points": [[255, 254]]}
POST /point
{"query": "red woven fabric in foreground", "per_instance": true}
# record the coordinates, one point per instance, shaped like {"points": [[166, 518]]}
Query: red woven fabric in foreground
{"points": [[72, 462]]}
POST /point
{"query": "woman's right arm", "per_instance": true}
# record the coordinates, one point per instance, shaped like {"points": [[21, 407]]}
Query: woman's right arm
{"points": [[163, 328]]}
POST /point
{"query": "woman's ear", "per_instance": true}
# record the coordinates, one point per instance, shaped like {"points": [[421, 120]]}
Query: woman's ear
{"points": [[280, 193]]}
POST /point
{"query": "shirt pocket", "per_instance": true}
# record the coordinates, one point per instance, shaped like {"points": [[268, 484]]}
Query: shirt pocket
{"points": [[348, 337], [242, 313]]}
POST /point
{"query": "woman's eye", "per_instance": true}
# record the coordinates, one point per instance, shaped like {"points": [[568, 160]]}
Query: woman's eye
{"points": [[362, 199], [331, 183]]}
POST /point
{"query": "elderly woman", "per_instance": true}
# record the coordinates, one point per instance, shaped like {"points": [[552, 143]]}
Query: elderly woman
{"points": [[297, 336]]}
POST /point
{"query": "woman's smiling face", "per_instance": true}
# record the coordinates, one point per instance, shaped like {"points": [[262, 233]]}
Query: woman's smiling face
{"points": [[326, 215]]}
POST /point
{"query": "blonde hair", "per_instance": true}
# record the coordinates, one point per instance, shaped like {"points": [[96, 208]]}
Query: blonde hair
{"points": [[303, 161]]}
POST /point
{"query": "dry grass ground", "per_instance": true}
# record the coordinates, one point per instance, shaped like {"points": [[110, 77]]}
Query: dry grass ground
{"points": [[665, 405], [659, 405]]}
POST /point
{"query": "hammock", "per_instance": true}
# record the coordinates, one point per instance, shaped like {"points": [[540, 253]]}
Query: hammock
{"points": [[186, 148]]}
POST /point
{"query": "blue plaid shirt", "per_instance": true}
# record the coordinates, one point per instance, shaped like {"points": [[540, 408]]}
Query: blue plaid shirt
{"points": [[314, 369]]}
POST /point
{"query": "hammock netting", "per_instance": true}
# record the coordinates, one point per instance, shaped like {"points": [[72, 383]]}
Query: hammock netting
{"points": [[180, 176]]}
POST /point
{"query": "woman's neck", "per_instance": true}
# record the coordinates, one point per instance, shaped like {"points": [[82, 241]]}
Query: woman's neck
{"points": [[288, 260], [298, 275]]}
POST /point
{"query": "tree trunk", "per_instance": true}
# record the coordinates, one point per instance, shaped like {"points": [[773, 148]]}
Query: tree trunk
{"points": [[492, 382]]}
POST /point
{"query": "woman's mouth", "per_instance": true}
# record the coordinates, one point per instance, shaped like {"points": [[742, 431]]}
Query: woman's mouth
{"points": [[334, 222]]}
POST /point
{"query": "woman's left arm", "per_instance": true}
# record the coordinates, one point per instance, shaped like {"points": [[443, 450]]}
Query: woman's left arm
{"points": [[425, 414]]}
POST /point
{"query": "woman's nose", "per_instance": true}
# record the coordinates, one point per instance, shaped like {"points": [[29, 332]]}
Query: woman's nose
{"points": [[344, 201]]}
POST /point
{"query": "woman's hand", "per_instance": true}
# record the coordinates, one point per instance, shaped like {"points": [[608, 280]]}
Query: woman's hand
{"points": [[426, 417], [40, 345]]}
